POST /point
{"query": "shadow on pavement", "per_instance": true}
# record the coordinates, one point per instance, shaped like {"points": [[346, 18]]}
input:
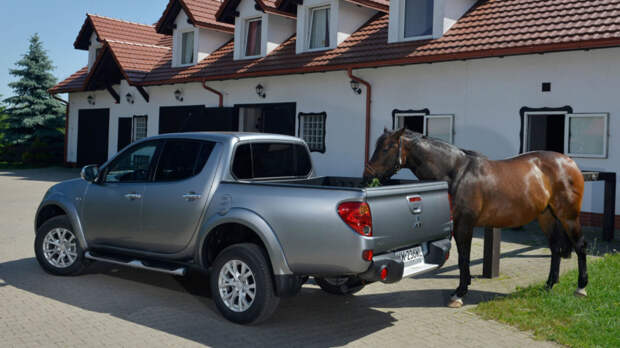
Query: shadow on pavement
{"points": [[51, 174], [182, 306]]}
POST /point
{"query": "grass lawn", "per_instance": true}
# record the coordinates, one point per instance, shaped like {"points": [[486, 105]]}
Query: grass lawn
{"points": [[559, 316], [19, 165]]}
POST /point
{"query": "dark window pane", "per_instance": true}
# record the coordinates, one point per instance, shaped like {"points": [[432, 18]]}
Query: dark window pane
{"points": [[418, 18], [253, 37], [545, 132], [242, 164], [182, 159], [278, 160], [133, 165], [205, 152]]}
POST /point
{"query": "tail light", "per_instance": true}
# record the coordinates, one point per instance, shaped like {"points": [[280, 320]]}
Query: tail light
{"points": [[357, 216], [367, 255]]}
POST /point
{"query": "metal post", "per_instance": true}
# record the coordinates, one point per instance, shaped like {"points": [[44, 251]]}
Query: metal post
{"points": [[609, 210], [492, 240]]}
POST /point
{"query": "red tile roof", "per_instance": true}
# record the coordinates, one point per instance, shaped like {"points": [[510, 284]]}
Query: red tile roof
{"points": [[200, 12], [115, 29], [493, 28], [73, 83]]}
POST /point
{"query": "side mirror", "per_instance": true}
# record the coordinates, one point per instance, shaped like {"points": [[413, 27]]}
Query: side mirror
{"points": [[90, 172]]}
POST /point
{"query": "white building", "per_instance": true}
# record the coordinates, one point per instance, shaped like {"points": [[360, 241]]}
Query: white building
{"points": [[497, 76]]}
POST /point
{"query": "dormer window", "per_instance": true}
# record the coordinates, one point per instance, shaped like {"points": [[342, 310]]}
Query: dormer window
{"points": [[412, 20], [418, 19], [187, 48], [253, 37], [319, 28]]}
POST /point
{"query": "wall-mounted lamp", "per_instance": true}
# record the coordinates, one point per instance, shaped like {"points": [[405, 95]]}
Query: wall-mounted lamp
{"points": [[129, 98], [91, 99], [260, 90], [355, 86], [178, 95]]}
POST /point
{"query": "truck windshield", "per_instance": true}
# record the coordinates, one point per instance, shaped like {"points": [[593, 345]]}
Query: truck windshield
{"points": [[271, 160]]}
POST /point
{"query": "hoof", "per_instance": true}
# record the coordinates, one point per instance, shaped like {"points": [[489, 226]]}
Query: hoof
{"points": [[455, 302], [581, 293]]}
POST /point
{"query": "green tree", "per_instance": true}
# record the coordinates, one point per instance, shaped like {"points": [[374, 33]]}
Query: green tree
{"points": [[33, 116]]}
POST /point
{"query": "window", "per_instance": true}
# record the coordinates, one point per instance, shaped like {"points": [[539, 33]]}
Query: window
{"points": [[319, 28], [271, 160], [187, 48], [577, 135], [253, 37], [587, 135], [139, 127], [417, 18], [435, 126], [133, 165], [312, 130], [182, 159]]}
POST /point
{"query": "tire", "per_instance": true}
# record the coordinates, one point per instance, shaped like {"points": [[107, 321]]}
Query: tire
{"points": [[341, 285], [51, 257], [242, 257]]}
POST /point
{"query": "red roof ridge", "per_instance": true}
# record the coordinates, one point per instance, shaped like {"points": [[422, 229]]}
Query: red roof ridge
{"points": [[137, 44], [119, 20]]}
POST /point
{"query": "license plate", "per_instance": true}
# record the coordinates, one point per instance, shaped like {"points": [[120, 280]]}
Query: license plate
{"points": [[411, 256]]}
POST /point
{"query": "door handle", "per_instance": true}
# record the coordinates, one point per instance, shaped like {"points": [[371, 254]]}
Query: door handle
{"points": [[191, 196], [133, 196]]}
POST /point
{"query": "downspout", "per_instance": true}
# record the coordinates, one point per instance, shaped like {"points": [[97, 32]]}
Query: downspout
{"points": [[368, 101], [66, 124], [219, 94]]}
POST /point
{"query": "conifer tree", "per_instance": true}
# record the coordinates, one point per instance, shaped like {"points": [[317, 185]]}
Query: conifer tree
{"points": [[32, 115]]}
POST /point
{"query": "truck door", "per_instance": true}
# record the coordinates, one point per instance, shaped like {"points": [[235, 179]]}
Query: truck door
{"points": [[112, 208], [174, 202]]}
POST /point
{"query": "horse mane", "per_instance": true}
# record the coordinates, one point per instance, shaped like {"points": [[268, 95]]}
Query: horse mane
{"points": [[442, 144]]}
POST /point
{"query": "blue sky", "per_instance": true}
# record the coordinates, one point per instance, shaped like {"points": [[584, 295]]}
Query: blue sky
{"points": [[58, 23]]}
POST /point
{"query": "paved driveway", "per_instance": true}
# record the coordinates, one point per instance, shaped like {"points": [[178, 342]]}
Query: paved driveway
{"points": [[115, 306]]}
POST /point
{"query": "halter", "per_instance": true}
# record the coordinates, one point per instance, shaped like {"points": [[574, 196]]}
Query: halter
{"points": [[397, 164]]}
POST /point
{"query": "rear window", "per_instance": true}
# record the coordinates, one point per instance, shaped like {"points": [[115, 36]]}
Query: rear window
{"points": [[182, 159], [271, 160]]}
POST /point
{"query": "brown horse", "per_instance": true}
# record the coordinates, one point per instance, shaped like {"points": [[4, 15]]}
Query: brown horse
{"points": [[542, 185]]}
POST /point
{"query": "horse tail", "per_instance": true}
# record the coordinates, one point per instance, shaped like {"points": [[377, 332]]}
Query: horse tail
{"points": [[559, 240]]}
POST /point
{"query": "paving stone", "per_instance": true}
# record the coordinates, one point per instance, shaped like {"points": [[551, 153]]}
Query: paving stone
{"points": [[116, 306]]}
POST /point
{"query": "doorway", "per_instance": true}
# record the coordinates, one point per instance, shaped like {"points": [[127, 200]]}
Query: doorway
{"points": [[268, 118], [92, 142]]}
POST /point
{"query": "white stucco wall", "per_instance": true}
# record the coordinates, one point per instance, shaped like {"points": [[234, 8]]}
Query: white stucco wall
{"points": [[92, 49], [484, 96]]}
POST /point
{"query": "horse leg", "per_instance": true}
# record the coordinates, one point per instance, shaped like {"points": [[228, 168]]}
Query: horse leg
{"points": [[553, 230], [580, 245], [463, 233]]}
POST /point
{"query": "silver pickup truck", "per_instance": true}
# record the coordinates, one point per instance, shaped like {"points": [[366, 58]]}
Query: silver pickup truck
{"points": [[247, 209]]}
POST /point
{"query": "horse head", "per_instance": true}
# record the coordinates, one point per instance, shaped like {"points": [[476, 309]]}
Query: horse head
{"points": [[388, 156]]}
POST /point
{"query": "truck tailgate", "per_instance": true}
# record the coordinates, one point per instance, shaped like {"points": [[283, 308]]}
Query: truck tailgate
{"points": [[406, 215]]}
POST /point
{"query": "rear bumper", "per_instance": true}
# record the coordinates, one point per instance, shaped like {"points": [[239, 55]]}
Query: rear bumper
{"points": [[438, 253]]}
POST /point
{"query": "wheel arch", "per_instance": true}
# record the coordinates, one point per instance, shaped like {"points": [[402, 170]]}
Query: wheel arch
{"points": [[56, 206], [239, 226]]}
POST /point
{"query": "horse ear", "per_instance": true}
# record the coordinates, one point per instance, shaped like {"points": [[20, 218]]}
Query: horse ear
{"points": [[385, 130], [399, 133]]}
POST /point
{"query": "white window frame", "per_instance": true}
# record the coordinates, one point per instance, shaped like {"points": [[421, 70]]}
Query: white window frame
{"points": [[194, 54], [323, 116], [134, 128], [586, 115], [246, 26], [567, 116], [399, 122], [309, 18], [402, 21]]}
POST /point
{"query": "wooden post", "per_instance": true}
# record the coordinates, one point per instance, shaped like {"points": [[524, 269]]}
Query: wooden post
{"points": [[609, 210], [492, 240]]}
